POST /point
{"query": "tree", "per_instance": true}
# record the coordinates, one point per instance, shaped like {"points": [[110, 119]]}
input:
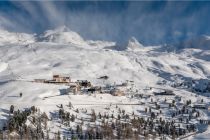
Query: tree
{"points": [[150, 110], [99, 115], [58, 135], [67, 116], [47, 135], [77, 110], [33, 109], [61, 113], [72, 118], [12, 109], [173, 102], [145, 110], [119, 110], [153, 115], [123, 112], [112, 116], [70, 105], [118, 117], [44, 119], [78, 129], [93, 116]]}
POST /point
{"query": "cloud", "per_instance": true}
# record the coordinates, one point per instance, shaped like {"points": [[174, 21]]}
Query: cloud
{"points": [[177, 33], [149, 22]]}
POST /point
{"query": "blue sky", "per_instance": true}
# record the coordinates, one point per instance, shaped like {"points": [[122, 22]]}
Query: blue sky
{"points": [[151, 23]]}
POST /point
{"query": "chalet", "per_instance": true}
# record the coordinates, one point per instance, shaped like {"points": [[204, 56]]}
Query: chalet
{"points": [[117, 92], [164, 105], [142, 96], [61, 79], [104, 77], [84, 83], [74, 87], [178, 98], [64, 91], [163, 92], [94, 89], [124, 84], [199, 106]]}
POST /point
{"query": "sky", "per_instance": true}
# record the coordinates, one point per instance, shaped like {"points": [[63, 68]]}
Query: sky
{"points": [[151, 23]]}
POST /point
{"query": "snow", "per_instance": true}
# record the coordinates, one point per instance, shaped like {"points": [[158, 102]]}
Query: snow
{"points": [[134, 44], [62, 35], [62, 51], [3, 66], [15, 38]]}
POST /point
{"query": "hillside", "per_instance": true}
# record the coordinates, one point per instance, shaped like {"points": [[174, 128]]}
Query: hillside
{"points": [[64, 52]]}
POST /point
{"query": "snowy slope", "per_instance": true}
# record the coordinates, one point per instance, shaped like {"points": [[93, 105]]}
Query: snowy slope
{"points": [[15, 38], [62, 51], [144, 65], [3, 66], [127, 45], [62, 35]]}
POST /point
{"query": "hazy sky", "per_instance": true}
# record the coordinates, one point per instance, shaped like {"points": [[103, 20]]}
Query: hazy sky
{"points": [[150, 22]]}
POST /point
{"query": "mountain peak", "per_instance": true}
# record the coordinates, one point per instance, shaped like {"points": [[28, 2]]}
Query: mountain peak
{"points": [[62, 34], [133, 43], [62, 29]]}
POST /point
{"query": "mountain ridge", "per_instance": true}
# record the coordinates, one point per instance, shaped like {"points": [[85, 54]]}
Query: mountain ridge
{"points": [[64, 35]]}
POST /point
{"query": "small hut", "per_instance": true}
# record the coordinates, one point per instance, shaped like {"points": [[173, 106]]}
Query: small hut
{"points": [[199, 106], [117, 92], [64, 91], [104, 77], [84, 83], [74, 87], [163, 92], [94, 89]]}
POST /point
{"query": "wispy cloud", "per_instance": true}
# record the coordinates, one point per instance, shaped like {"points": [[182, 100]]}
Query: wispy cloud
{"points": [[149, 22]]}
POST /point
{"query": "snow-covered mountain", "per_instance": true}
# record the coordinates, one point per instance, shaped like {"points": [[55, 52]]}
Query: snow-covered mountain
{"points": [[127, 45], [201, 42], [25, 57], [133, 57], [15, 38], [62, 35], [101, 57], [133, 44]]}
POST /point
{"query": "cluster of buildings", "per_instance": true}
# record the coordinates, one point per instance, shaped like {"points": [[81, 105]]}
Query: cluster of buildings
{"points": [[57, 79], [81, 86]]}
